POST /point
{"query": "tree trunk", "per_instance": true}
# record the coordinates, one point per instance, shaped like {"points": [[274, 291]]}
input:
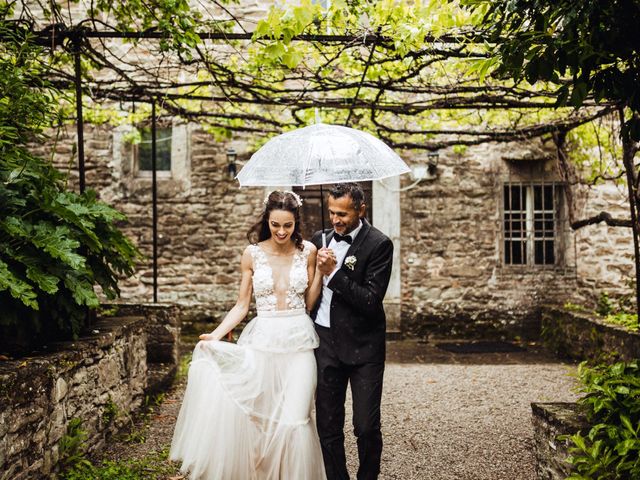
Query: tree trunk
{"points": [[629, 149]]}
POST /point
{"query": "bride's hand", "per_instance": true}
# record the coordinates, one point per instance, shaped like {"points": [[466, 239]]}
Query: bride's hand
{"points": [[207, 336]]}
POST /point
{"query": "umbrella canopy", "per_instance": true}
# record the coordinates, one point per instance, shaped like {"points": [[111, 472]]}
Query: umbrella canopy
{"points": [[320, 154]]}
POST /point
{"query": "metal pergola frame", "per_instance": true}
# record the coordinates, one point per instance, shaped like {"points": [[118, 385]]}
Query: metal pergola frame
{"points": [[58, 35]]}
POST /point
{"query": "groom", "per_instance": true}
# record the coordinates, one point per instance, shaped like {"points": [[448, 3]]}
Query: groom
{"points": [[350, 322]]}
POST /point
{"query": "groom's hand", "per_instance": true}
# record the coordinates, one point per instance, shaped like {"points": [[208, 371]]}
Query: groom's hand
{"points": [[326, 261]]}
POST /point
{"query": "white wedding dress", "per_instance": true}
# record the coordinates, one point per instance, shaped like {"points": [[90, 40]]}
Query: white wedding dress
{"points": [[246, 413]]}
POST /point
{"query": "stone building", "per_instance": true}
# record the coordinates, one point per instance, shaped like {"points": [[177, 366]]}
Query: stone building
{"points": [[482, 240]]}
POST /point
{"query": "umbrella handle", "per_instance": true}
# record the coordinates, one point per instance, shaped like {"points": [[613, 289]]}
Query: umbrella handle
{"points": [[324, 235]]}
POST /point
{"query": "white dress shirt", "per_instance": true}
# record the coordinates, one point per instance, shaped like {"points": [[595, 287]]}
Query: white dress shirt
{"points": [[323, 317]]}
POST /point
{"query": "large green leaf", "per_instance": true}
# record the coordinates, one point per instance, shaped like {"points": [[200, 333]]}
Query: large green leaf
{"points": [[18, 288], [82, 290], [17, 227], [56, 241], [45, 281]]}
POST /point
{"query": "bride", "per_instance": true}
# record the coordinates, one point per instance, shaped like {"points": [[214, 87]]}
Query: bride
{"points": [[246, 409]]}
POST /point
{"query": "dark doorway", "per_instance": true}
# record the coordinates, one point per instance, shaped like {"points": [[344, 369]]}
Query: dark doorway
{"points": [[311, 207]]}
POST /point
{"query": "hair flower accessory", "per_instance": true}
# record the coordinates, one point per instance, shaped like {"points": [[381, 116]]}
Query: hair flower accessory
{"points": [[350, 262], [293, 194]]}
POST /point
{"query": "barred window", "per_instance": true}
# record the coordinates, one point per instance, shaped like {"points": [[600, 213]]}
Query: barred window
{"points": [[531, 223]]}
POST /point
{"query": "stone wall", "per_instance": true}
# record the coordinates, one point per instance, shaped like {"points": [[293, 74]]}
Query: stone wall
{"points": [[162, 331], [551, 420], [203, 217], [100, 379], [604, 255], [583, 336], [453, 280]]}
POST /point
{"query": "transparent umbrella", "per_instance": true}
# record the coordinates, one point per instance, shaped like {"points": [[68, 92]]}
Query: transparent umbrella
{"points": [[320, 154]]}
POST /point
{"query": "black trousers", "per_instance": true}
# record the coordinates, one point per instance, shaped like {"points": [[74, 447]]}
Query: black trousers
{"points": [[366, 391]]}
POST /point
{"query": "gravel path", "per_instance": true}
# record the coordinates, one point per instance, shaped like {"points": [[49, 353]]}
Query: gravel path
{"points": [[445, 416]]}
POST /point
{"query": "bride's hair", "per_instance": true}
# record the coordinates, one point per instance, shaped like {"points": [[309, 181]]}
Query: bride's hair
{"points": [[277, 200]]}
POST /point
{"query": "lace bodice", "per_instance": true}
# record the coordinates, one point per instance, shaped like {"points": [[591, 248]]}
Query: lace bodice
{"points": [[291, 297]]}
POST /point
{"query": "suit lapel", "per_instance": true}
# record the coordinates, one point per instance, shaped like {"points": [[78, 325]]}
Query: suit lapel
{"points": [[330, 233], [357, 242]]}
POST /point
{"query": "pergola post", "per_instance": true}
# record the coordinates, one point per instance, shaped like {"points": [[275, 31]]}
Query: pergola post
{"points": [[79, 115], [154, 194]]}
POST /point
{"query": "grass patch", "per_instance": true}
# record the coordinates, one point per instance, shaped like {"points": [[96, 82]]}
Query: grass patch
{"points": [[183, 367], [156, 465]]}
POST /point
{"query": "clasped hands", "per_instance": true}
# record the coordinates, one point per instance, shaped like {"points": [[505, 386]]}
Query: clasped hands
{"points": [[326, 261]]}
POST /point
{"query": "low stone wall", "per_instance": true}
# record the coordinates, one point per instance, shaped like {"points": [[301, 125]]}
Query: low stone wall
{"points": [[551, 420], [485, 324], [581, 336], [162, 328], [100, 380]]}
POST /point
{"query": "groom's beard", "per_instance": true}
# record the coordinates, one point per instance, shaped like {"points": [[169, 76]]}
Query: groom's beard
{"points": [[345, 229]]}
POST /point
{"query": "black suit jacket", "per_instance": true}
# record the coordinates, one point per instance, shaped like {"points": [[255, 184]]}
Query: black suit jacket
{"points": [[358, 322]]}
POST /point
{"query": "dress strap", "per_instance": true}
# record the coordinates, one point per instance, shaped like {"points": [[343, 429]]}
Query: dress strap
{"points": [[306, 249], [255, 251]]}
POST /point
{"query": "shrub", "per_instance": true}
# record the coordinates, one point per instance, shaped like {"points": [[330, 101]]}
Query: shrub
{"points": [[611, 448], [55, 245]]}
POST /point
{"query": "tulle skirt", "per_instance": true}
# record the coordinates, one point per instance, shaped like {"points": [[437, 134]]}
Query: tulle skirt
{"points": [[246, 409]]}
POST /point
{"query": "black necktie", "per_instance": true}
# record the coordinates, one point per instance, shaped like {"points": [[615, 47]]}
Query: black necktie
{"points": [[342, 238]]}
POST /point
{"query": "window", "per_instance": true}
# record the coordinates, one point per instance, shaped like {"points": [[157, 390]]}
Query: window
{"points": [[163, 150], [531, 217]]}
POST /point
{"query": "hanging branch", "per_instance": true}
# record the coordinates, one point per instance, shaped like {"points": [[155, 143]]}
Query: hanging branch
{"points": [[364, 74], [401, 91], [601, 217]]}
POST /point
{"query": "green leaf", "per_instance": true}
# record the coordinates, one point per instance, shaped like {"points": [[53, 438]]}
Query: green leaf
{"points": [[56, 245], [15, 226], [292, 58], [624, 447], [532, 70], [57, 242], [45, 281], [275, 51], [303, 15], [263, 29], [82, 291], [578, 440], [19, 289], [622, 390], [578, 94], [627, 423]]}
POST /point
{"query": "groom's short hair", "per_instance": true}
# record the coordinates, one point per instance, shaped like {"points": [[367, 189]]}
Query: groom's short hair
{"points": [[354, 190]]}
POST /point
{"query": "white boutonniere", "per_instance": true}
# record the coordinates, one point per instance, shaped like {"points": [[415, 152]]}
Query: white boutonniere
{"points": [[350, 262]]}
